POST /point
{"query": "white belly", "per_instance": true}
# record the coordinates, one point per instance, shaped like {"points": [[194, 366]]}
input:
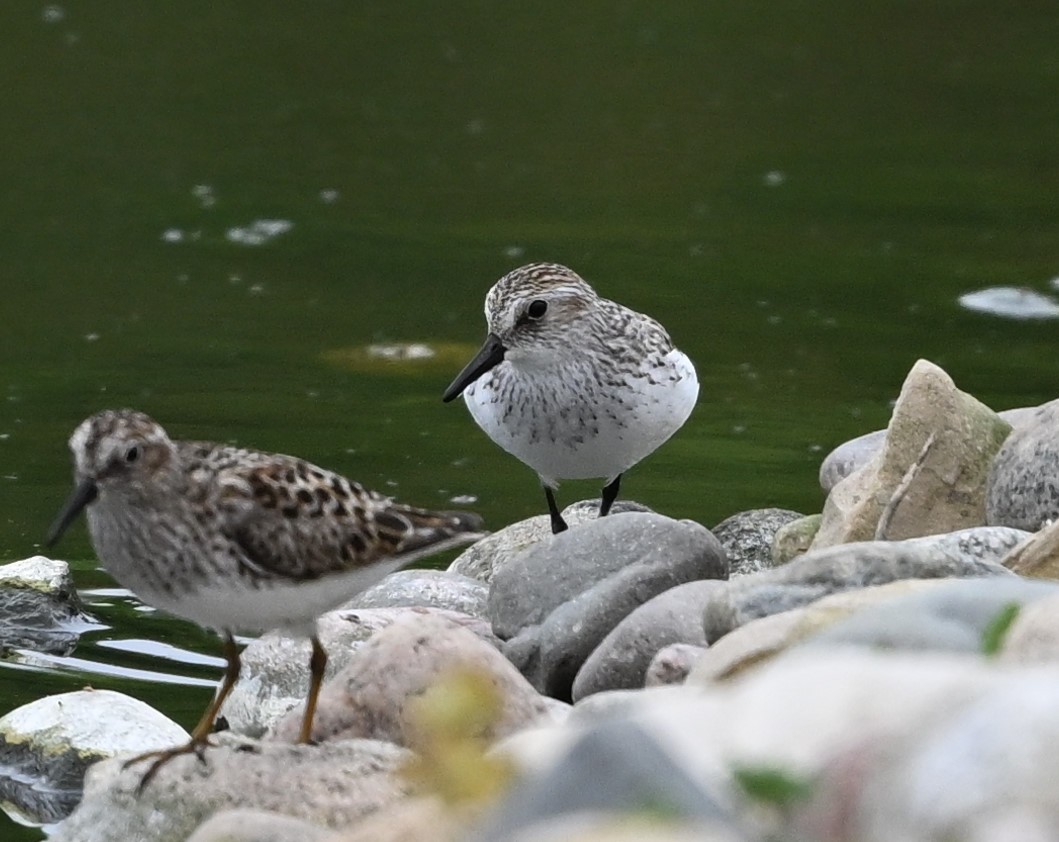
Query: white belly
{"points": [[571, 426], [274, 605]]}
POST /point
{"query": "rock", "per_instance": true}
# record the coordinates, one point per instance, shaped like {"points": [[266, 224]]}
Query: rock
{"points": [[967, 553], [46, 745], [39, 607], [373, 693], [329, 785], [953, 617], [849, 457], [757, 641], [854, 454], [672, 664], [984, 771], [558, 600], [275, 673], [1033, 636], [641, 826], [610, 704], [930, 477], [482, 559], [639, 772], [852, 744], [427, 589], [1037, 556], [248, 825], [423, 819], [794, 539], [1023, 489], [621, 659], [747, 538]]}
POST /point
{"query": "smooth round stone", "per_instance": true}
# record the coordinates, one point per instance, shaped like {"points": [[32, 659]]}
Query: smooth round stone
{"points": [[555, 603], [39, 607], [46, 745], [623, 657], [967, 553], [483, 558], [275, 675], [747, 538], [376, 693], [425, 588], [330, 785], [1023, 487]]}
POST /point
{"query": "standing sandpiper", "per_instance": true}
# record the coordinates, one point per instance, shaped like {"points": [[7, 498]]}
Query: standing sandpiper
{"points": [[236, 539], [574, 385]]}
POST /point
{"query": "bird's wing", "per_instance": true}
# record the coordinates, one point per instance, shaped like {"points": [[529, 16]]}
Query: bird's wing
{"points": [[292, 519]]}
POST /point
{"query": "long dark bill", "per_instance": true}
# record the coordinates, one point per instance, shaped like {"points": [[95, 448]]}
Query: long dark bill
{"points": [[491, 354], [83, 494]]}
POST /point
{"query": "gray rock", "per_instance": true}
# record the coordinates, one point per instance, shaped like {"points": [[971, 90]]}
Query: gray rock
{"points": [[854, 454], [672, 664], [638, 772], [557, 601], [275, 673], [794, 539], [427, 589], [1023, 487], [483, 558], [1033, 637], [747, 538], [849, 457], [953, 617], [330, 785], [930, 476], [248, 825], [967, 553], [376, 693], [986, 771], [758, 641], [39, 607], [46, 745], [621, 659]]}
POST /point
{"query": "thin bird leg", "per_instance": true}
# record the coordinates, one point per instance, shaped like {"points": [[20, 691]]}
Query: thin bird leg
{"points": [[200, 735], [558, 524], [610, 494], [317, 662]]}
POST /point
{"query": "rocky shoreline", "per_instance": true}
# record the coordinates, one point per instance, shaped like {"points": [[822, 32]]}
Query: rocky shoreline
{"points": [[882, 670]]}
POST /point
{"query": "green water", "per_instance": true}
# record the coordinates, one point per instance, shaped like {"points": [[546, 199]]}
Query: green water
{"points": [[799, 192]]}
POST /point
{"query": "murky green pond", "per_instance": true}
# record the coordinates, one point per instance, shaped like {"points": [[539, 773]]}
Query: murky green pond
{"points": [[210, 210]]}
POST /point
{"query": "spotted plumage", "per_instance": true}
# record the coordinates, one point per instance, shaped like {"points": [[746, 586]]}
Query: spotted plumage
{"points": [[575, 385], [237, 539]]}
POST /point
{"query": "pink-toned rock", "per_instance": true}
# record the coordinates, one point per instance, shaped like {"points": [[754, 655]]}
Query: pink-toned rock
{"points": [[370, 697]]}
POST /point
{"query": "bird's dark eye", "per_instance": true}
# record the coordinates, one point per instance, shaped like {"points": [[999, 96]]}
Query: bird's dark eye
{"points": [[537, 309], [132, 454]]}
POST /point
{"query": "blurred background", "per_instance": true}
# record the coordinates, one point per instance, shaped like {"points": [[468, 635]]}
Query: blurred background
{"points": [[234, 215]]}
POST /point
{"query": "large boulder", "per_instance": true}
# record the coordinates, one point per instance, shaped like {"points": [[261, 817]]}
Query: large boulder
{"points": [[930, 476], [555, 603]]}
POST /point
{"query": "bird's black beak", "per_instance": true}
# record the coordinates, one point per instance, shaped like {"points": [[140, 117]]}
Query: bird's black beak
{"points": [[84, 494], [492, 354]]}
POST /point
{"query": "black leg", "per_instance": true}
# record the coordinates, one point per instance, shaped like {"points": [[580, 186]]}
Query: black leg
{"points": [[610, 494], [558, 524]]}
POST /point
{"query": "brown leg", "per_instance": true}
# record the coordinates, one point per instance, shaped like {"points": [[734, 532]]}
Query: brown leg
{"points": [[200, 735], [317, 663]]}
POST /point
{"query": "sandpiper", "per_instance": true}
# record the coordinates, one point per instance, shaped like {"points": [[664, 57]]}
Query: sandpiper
{"points": [[575, 385], [237, 540]]}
